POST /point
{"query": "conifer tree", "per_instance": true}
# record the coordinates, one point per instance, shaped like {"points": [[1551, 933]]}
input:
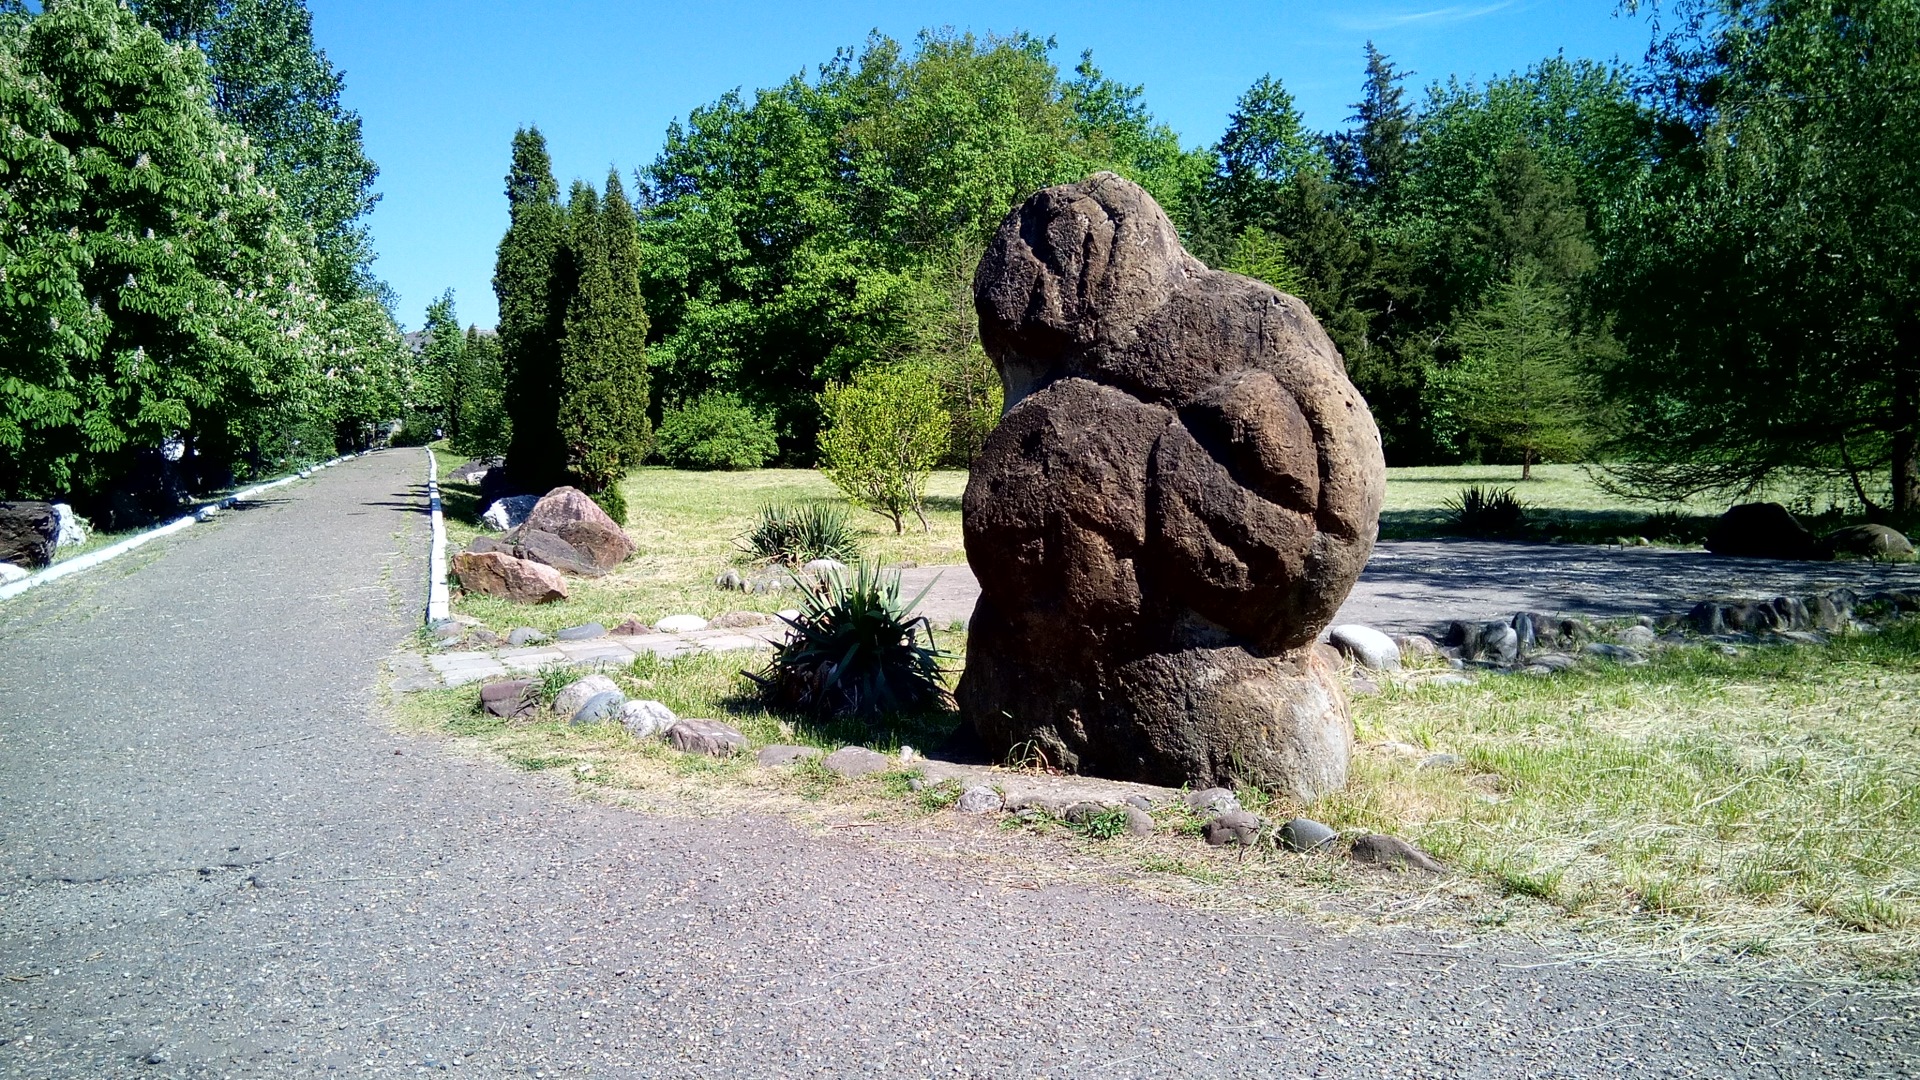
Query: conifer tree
{"points": [[603, 403], [437, 371], [530, 256]]}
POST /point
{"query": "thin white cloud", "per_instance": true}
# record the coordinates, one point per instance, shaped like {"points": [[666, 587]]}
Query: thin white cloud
{"points": [[1453, 13]]}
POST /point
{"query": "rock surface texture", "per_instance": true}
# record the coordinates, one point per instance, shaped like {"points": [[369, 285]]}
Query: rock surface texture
{"points": [[496, 574], [28, 533], [1181, 493]]}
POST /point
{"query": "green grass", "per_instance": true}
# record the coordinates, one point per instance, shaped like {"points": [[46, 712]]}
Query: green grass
{"points": [[1762, 803], [1563, 503], [687, 526]]}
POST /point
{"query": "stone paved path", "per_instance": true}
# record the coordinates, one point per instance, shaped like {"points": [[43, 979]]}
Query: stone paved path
{"points": [[216, 860]]}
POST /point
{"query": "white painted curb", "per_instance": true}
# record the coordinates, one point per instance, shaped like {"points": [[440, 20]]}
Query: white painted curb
{"points": [[113, 551], [439, 603]]}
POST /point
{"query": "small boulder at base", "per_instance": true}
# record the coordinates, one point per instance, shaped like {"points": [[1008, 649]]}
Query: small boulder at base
{"points": [[72, 528], [1761, 531], [600, 708], [979, 800], [524, 635], [774, 757], [29, 531], [492, 573], [856, 761], [1305, 834], [1417, 648], [709, 737], [1216, 800], [583, 632], [1139, 822], [631, 627], [646, 719], [1236, 827], [680, 624], [1368, 647], [1865, 542], [510, 512], [580, 691], [514, 697], [563, 506], [1390, 851]]}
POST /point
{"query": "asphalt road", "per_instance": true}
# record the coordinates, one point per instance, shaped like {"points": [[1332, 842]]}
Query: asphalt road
{"points": [[217, 861]]}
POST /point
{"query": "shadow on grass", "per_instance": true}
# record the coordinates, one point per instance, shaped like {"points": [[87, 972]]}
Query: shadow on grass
{"points": [[461, 502], [946, 504], [1549, 523]]}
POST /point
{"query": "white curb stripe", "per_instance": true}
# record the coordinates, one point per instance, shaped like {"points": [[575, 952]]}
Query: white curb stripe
{"points": [[113, 551], [439, 602]]}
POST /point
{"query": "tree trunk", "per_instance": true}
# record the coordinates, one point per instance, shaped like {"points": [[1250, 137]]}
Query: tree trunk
{"points": [[1906, 420], [1526, 464]]}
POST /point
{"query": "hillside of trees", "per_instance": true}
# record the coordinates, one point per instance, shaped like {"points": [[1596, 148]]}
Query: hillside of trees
{"points": [[1699, 269], [185, 292]]}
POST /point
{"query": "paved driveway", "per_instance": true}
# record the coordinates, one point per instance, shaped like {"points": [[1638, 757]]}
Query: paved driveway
{"points": [[216, 861], [1412, 585]]}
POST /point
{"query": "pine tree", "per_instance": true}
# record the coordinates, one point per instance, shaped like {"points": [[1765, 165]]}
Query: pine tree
{"points": [[481, 426], [603, 399], [437, 371], [1378, 151], [531, 254], [1518, 390]]}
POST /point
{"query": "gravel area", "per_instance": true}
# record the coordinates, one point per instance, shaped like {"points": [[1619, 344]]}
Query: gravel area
{"points": [[217, 860]]}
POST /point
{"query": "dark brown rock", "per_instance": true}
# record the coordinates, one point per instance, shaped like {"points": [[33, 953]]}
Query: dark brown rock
{"points": [[549, 550], [1865, 542], [631, 628], [495, 574], [29, 531], [605, 545], [1394, 853], [1183, 490], [1761, 531], [514, 697], [563, 506], [709, 737]]}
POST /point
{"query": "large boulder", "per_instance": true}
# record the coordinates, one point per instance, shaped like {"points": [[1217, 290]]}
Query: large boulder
{"points": [[1762, 531], [1865, 542], [1181, 493], [604, 546], [29, 531], [550, 550], [509, 512], [495, 573], [563, 505]]}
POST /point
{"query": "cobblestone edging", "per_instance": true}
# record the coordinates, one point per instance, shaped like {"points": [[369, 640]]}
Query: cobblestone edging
{"points": [[113, 551]]}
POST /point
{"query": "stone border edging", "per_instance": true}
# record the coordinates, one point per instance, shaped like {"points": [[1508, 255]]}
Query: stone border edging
{"points": [[439, 599], [113, 551]]}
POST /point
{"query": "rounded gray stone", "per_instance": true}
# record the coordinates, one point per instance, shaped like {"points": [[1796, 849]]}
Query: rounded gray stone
{"points": [[979, 800], [1215, 800], [1366, 646], [599, 707], [1305, 834], [777, 756], [856, 761], [583, 632]]}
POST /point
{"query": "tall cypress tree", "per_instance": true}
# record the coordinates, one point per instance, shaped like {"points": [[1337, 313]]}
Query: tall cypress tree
{"points": [[627, 307], [603, 401], [531, 255]]}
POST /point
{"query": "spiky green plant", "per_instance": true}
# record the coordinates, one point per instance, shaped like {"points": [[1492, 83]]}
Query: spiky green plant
{"points": [[1482, 511], [857, 651], [797, 534]]}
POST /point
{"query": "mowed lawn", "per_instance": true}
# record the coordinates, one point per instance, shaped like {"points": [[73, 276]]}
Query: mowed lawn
{"points": [[1760, 808]]}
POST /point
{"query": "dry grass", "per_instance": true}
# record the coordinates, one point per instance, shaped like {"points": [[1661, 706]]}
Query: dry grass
{"points": [[1764, 806]]}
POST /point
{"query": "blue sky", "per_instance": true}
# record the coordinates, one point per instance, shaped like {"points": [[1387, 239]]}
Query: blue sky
{"points": [[442, 85]]}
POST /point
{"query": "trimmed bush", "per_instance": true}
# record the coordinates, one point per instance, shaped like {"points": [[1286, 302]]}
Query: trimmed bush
{"points": [[716, 431]]}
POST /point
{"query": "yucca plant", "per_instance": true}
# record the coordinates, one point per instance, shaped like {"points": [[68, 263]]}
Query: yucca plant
{"points": [[857, 650], [1482, 511], [798, 534]]}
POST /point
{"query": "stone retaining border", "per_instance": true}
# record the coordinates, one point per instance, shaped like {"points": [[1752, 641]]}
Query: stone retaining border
{"points": [[201, 513], [439, 599]]}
